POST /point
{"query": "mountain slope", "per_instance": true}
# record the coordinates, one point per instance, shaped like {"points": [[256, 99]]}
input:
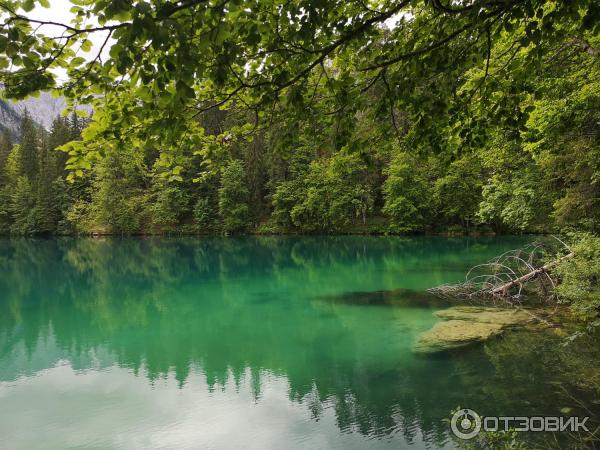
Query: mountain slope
{"points": [[42, 109], [10, 119]]}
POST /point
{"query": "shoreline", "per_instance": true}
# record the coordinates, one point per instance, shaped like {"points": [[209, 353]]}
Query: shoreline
{"points": [[98, 235]]}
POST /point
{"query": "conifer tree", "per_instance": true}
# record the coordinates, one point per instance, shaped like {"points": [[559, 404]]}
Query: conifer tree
{"points": [[233, 197], [46, 201], [5, 148], [60, 133], [29, 148], [22, 207], [76, 125]]}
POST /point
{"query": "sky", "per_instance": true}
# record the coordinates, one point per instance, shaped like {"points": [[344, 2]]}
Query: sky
{"points": [[59, 11]]}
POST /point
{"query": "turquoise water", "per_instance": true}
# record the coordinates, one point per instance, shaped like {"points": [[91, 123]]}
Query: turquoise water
{"points": [[254, 343]]}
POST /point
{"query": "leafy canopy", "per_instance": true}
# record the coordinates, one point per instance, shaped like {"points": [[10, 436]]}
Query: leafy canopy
{"points": [[163, 63]]}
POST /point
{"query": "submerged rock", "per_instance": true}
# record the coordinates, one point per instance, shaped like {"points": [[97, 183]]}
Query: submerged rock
{"points": [[484, 315], [455, 333], [397, 297], [464, 325]]}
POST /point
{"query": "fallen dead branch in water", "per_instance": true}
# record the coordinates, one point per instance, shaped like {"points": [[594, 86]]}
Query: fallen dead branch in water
{"points": [[505, 278]]}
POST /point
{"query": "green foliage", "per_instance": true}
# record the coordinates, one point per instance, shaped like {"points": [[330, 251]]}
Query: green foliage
{"points": [[496, 440], [79, 218], [35, 197], [203, 213], [408, 193], [543, 172], [336, 193], [424, 70], [117, 203], [287, 195], [48, 187], [22, 207], [5, 213], [233, 198], [512, 203], [482, 116], [29, 147], [5, 149], [458, 192], [580, 278], [169, 204]]}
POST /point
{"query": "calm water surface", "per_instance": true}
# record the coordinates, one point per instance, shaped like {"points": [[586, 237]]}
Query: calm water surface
{"points": [[254, 343]]}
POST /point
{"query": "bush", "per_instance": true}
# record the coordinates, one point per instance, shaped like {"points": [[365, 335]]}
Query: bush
{"points": [[334, 194], [287, 195], [407, 194], [169, 205], [203, 213], [579, 278]]}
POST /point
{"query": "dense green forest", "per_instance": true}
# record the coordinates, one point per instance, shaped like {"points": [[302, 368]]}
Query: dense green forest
{"points": [[482, 117], [312, 173], [306, 117], [35, 196]]}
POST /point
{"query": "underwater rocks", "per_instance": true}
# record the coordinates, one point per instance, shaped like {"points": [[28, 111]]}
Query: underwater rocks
{"points": [[464, 325], [479, 314], [396, 298]]}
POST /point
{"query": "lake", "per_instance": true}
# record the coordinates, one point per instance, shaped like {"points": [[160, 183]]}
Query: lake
{"points": [[251, 342]]}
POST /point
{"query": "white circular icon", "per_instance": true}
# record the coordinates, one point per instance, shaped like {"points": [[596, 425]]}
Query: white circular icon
{"points": [[465, 424]]}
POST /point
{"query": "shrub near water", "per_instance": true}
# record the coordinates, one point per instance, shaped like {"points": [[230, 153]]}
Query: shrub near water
{"points": [[579, 276]]}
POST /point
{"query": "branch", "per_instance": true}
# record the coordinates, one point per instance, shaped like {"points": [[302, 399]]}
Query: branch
{"points": [[390, 96], [502, 290], [422, 50], [585, 47]]}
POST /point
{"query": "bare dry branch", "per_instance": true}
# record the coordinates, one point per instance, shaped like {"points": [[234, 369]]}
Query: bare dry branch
{"points": [[504, 278]]}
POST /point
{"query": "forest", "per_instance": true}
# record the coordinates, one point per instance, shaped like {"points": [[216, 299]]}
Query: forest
{"points": [[221, 118], [483, 118]]}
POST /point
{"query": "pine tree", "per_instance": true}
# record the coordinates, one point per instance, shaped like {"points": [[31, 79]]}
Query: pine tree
{"points": [[29, 148], [233, 198], [76, 125], [5, 148], [64, 194], [22, 207], [60, 132], [7, 164], [46, 203]]}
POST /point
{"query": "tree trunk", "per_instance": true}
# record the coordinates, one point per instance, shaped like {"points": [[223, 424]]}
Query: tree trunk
{"points": [[503, 290]]}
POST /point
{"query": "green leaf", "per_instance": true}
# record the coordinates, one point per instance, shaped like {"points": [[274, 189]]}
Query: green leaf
{"points": [[28, 5], [78, 61], [86, 45]]}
